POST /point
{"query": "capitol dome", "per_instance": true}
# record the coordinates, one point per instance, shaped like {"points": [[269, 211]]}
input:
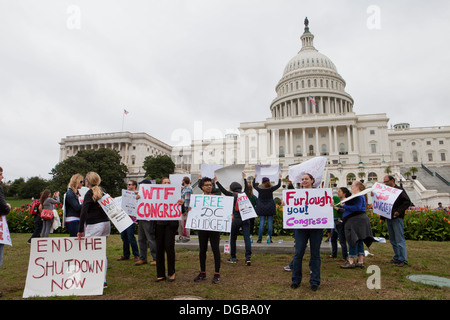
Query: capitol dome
{"points": [[310, 85]]}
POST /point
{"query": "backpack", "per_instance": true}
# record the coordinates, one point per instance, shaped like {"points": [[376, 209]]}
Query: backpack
{"points": [[34, 208]]}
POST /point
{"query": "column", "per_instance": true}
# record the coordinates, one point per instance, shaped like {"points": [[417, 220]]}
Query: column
{"points": [[304, 142], [355, 139], [291, 140], [330, 141], [286, 148], [317, 142], [306, 106], [349, 139], [335, 140]]}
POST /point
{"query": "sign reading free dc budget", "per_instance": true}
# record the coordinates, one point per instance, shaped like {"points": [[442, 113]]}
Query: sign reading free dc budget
{"points": [[210, 212], [308, 209], [66, 266]]}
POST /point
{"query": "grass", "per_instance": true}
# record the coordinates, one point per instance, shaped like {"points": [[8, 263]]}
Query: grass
{"points": [[264, 279]]}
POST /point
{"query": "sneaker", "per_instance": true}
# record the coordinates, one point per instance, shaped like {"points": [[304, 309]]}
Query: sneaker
{"points": [[140, 262], [121, 258], [314, 287], [216, 278], [248, 262], [231, 260], [360, 265], [287, 268], [105, 285], [201, 276], [348, 265]]}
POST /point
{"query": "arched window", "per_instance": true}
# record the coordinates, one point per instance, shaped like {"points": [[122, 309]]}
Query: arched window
{"points": [[350, 178], [281, 151], [299, 150], [324, 149], [414, 156], [372, 177], [311, 150], [342, 148]]}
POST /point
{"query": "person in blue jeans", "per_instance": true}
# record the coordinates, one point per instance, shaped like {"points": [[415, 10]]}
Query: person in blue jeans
{"points": [[265, 206], [301, 239], [127, 235], [395, 224], [237, 222]]}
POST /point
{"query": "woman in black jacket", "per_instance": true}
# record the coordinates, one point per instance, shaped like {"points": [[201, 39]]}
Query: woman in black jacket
{"points": [[72, 204], [265, 206]]}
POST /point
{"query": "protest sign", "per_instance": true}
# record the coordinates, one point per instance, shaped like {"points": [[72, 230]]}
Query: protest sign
{"points": [[177, 179], [207, 170], [365, 191], [210, 212], [5, 237], [314, 166], [66, 266], [230, 174], [245, 207], [114, 211], [383, 199], [129, 202], [159, 202], [308, 209], [271, 171]]}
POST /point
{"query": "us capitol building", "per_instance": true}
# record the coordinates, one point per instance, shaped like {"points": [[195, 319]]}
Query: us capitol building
{"points": [[312, 115]]}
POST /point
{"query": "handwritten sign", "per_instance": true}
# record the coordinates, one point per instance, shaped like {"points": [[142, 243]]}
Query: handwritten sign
{"points": [[113, 210], [245, 207], [308, 209], [314, 166], [227, 175], [383, 199], [5, 237], [271, 171], [129, 202], [210, 212], [207, 170], [66, 266], [159, 202]]}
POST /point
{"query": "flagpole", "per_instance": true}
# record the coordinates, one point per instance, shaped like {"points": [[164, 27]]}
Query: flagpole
{"points": [[123, 118]]}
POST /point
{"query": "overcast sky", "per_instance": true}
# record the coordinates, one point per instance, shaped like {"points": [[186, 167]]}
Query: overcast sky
{"points": [[71, 67]]}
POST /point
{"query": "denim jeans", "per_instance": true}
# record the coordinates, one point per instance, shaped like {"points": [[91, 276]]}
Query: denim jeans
{"points": [[128, 240], [357, 250], [301, 239], [235, 225], [338, 233], [72, 227], [397, 239], [262, 220]]}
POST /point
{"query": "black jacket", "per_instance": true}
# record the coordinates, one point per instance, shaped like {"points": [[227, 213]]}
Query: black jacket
{"points": [[91, 212], [401, 204], [265, 205], [4, 208], [236, 214]]}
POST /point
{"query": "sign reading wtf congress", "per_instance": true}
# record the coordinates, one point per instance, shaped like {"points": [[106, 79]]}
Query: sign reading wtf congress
{"points": [[159, 202]]}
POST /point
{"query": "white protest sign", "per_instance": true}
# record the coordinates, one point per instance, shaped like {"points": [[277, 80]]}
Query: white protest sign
{"points": [[308, 209], [66, 266], [227, 175], [383, 199], [159, 202], [271, 171], [177, 179], [314, 166], [245, 207], [5, 237], [207, 170], [129, 202], [210, 212], [113, 210]]}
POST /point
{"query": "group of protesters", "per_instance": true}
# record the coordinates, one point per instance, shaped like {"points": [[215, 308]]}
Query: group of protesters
{"points": [[84, 217]]}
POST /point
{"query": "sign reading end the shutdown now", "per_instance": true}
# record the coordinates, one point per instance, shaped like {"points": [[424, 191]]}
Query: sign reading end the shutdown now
{"points": [[66, 266]]}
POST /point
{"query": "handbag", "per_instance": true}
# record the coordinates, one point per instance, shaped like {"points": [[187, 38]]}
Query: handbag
{"points": [[47, 214]]}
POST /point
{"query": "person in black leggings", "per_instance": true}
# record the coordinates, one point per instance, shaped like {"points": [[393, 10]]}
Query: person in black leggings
{"points": [[206, 184]]}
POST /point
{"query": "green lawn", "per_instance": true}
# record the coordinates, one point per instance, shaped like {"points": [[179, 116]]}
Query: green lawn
{"points": [[264, 279]]}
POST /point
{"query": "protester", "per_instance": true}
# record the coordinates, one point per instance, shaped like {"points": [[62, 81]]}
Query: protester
{"points": [[34, 211], [265, 206], [395, 224], [357, 228], [165, 244], [127, 235], [253, 200], [93, 220], [206, 185], [338, 231], [146, 237], [48, 203], [72, 204], [301, 239], [4, 210], [237, 222], [186, 191]]}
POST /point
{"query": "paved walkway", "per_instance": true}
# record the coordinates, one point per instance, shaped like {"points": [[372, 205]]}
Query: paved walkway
{"points": [[275, 247]]}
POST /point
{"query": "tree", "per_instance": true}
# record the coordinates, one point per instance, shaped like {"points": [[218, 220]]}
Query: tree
{"points": [[33, 188], [158, 166], [106, 162]]}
